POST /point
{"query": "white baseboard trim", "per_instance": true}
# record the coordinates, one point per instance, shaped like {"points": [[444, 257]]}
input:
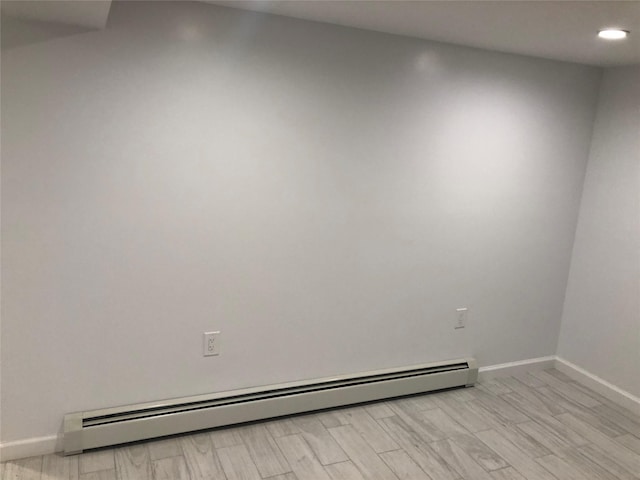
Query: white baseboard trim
{"points": [[30, 447], [599, 385], [515, 368]]}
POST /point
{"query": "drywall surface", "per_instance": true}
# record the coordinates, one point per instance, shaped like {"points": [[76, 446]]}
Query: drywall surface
{"points": [[601, 319], [325, 197], [15, 32]]}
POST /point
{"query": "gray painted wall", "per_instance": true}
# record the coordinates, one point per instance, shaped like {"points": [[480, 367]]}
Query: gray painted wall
{"points": [[326, 197], [601, 318]]}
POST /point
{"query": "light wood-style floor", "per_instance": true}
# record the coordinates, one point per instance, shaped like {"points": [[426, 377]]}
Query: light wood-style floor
{"points": [[538, 426]]}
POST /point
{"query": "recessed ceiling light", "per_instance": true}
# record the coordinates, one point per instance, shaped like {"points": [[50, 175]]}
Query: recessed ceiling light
{"points": [[613, 33]]}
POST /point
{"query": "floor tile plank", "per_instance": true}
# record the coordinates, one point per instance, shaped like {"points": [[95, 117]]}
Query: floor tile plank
{"points": [[343, 471], [567, 390], [516, 457], [489, 415], [464, 394], [594, 454], [626, 424], [529, 380], [282, 427], [443, 423], [265, 452], [560, 468], [630, 441], [379, 410], [563, 377], [523, 441], [361, 453], [416, 402], [225, 437], [301, 459], [74, 468], [417, 423], [101, 475], [55, 467], [320, 440], [164, 449], [552, 407], [415, 446], [527, 402], [285, 476], [369, 430], [556, 426], [464, 415], [331, 418], [621, 454], [501, 409], [23, 469], [403, 466], [590, 469], [584, 414], [496, 387], [133, 463], [508, 473], [605, 401], [97, 460], [552, 441], [459, 460], [482, 454], [237, 463], [170, 468], [200, 457]]}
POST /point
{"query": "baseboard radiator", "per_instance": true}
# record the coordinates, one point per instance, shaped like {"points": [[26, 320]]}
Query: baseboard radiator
{"points": [[112, 426]]}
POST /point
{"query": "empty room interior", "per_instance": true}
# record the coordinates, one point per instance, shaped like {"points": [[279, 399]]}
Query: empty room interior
{"points": [[320, 240]]}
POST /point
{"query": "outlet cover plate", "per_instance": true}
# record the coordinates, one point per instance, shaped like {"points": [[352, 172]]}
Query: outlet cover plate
{"points": [[461, 318], [211, 344]]}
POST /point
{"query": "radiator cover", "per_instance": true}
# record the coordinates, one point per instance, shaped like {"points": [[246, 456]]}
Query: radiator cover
{"points": [[112, 426]]}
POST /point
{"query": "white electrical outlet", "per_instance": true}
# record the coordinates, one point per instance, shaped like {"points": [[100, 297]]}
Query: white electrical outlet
{"points": [[461, 318], [211, 344]]}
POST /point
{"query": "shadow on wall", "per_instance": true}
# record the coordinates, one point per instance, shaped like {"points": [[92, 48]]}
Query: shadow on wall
{"points": [[17, 33]]}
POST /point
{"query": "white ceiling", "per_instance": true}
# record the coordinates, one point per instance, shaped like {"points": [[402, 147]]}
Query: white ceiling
{"points": [[86, 13], [561, 29]]}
